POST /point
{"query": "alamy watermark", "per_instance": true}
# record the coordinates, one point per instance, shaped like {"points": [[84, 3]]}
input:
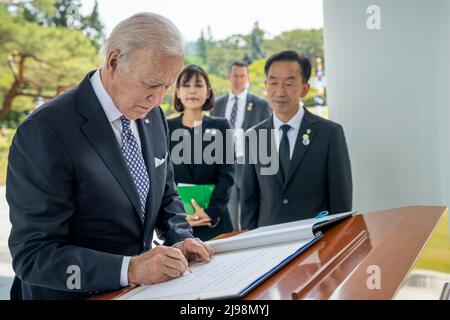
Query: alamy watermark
{"points": [[373, 282], [210, 146], [374, 17], [74, 279]]}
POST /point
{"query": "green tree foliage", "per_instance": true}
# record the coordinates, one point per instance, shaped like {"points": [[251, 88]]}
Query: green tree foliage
{"points": [[202, 48], [225, 52], [307, 42], [39, 60], [219, 84], [93, 27], [204, 44], [68, 15], [220, 54], [257, 77], [217, 56], [195, 59], [61, 13], [33, 10]]}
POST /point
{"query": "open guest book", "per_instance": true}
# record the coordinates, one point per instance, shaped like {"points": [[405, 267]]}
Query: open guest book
{"points": [[241, 262]]}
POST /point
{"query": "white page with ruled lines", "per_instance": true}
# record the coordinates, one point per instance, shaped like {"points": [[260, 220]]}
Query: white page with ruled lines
{"points": [[228, 275]]}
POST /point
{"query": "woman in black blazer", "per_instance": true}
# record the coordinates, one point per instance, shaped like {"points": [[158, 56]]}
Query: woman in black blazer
{"points": [[193, 96]]}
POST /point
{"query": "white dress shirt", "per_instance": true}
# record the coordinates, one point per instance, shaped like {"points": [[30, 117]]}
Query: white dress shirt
{"points": [[295, 124], [238, 134], [113, 114]]}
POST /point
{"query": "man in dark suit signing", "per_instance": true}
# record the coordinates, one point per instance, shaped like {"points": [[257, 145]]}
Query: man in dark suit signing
{"points": [[243, 110], [312, 167], [90, 177]]}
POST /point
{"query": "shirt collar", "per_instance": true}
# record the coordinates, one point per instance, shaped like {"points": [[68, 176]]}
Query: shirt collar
{"points": [[241, 96], [111, 111], [295, 121]]}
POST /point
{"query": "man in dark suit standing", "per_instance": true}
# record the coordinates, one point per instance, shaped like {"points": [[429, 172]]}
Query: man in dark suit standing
{"points": [[90, 177], [313, 166], [243, 110]]}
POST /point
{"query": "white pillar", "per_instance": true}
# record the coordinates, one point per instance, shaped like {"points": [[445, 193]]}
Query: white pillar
{"points": [[390, 89]]}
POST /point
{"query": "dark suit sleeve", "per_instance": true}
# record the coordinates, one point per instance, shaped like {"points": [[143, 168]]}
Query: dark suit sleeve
{"points": [[340, 187], [171, 224], [40, 193], [218, 110], [214, 112], [222, 191], [250, 192]]}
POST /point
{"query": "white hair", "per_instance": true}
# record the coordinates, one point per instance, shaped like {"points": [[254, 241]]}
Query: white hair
{"points": [[144, 31]]}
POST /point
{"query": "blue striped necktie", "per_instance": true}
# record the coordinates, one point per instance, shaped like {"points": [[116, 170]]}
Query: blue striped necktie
{"points": [[234, 113]]}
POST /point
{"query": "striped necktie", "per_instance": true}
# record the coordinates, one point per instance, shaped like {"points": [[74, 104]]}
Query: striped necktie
{"points": [[135, 162]]}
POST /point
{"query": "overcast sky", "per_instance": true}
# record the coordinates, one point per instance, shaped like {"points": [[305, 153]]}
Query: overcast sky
{"points": [[225, 17]]}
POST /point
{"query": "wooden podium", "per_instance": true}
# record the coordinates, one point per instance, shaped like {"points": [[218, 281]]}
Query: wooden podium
{"points": [[364, 257]]}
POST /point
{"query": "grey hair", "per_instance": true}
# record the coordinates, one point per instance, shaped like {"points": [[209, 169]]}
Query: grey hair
{"points": [[144, 31]]}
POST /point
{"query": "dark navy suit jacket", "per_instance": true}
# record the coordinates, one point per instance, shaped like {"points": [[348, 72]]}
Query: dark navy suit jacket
{"points": [[73, 202]]}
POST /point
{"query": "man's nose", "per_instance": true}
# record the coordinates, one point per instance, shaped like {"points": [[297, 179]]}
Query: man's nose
{"points": [[280, 91]]}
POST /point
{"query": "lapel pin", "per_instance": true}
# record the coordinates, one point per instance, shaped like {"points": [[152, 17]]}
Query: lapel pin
{"points": [[250, 106], [306, 138], [146, 121]]}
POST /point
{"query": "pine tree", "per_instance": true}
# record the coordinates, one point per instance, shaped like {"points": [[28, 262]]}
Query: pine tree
{"points": [[93, 27], [202, 47], [67, 14]]}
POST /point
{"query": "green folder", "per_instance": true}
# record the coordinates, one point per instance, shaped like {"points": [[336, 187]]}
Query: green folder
{"points": [[199, 192]]}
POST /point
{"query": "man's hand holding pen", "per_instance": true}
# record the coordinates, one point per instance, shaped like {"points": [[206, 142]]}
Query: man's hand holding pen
{"points": [[164, 263]]}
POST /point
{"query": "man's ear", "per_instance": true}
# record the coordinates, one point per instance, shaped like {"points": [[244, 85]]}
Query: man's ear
{"points": [[112, 61], [306, 88], [265, 83]]}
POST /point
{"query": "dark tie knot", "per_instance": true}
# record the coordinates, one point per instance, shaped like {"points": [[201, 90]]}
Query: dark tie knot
{"points": [[125, 123], [285, 128]]}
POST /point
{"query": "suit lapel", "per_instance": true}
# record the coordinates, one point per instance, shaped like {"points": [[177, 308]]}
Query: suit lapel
{"points": [[248, 112], [222, 107], [98, 131], [300, 148]]}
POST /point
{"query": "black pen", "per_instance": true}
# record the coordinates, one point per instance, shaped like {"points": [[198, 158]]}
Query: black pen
{"points": [[156, 243]]}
